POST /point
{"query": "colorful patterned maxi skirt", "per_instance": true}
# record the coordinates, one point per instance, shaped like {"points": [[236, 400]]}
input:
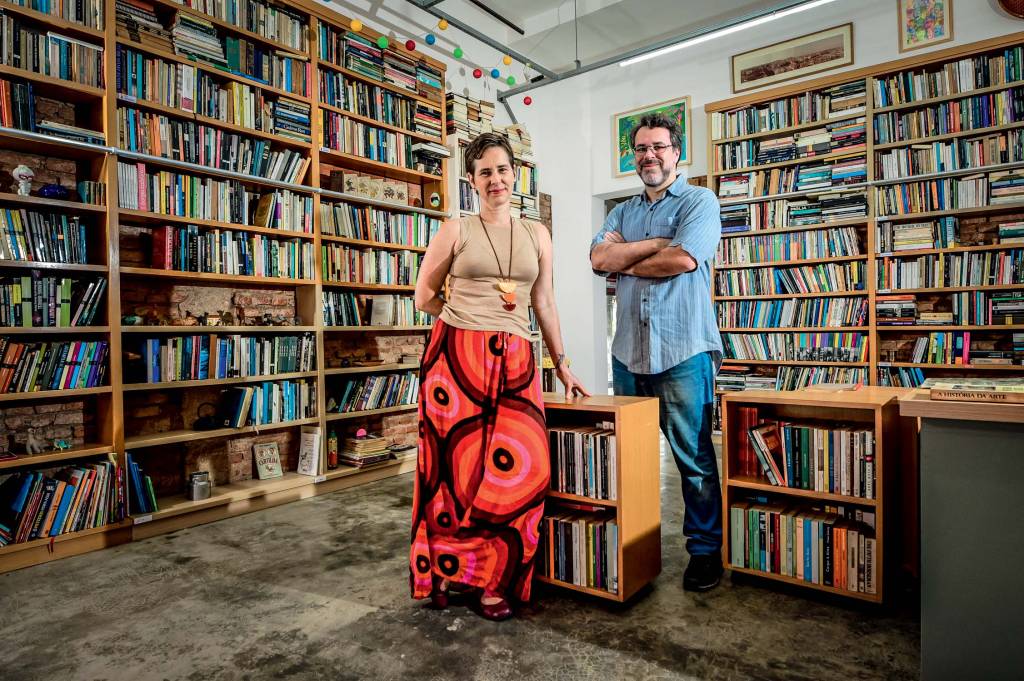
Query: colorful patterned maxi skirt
{"points": [[483, 466]]}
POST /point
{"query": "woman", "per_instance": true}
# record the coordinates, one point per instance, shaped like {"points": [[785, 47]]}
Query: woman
{"points": [[483, 467]]}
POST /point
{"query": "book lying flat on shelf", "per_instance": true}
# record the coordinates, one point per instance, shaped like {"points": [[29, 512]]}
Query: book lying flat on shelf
{"points": [[1005, 390]]}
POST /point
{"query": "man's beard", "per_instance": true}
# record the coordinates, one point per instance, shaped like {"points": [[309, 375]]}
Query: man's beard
{"points": [[657, 178]]}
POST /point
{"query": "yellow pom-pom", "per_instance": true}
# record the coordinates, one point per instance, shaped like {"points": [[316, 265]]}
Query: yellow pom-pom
{"points": [[507, 60], [443, 24], [356, 25]]}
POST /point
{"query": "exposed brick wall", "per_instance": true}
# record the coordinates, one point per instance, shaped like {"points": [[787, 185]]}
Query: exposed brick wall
{"points": [[62, 420], [47, 170], [387, 347]]}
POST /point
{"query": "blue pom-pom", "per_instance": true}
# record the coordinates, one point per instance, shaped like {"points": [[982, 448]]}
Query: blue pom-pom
{"points": [[431, 39]]}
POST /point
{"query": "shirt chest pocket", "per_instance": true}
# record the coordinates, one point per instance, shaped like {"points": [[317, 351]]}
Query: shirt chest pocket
{"points": [[664, 228]]}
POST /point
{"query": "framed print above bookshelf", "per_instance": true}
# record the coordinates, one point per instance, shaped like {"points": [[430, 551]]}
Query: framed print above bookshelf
{"points": [[794, 58], [923, 23], [624, 123]]}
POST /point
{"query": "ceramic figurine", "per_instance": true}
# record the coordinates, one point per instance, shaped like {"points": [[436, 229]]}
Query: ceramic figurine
{"points": [[23, 176], [33, 443], [131, 320], [60, 444]]}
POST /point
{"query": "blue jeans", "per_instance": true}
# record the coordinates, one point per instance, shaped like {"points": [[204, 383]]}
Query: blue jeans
{"points": [[686, 394]]}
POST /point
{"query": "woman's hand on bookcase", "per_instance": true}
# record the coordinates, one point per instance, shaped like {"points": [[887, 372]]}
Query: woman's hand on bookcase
{"points": [[573, 387]]}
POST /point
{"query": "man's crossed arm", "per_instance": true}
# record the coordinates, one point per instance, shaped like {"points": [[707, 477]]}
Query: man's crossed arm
{"points": [[651, 258]]}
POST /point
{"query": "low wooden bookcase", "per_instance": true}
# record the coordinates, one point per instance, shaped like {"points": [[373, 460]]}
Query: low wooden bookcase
{"points": [[635, 508], [841, 516]]}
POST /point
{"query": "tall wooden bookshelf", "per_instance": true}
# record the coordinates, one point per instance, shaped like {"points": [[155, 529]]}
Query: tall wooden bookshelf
{"points": [[629, 499], [239, 99], [883, 350]]}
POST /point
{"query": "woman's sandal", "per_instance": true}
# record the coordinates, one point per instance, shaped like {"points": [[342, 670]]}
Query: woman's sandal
{"points": [[496, 612], [439, 593]]}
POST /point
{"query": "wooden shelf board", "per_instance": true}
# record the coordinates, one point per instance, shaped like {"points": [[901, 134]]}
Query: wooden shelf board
{"points": [[949, 327], [382, 245], [60, 538], [780, 296], [206, 277], [63, 330], [747, 482], [946, 98], [55, 456], [53, 394], [406, 288], [48, 86], [377, 368], [794, 329], [168, 385], [951, 289], [940, 174], [379, 329], [387, 86], [149, 217], [841, 189], [831, 156], [785, 362], [582, 589], [790, 263], [222, 495], [336, 416], [998, 207], [955, 367], [370, 166], [51, 204], [873, 598], [852, 222], [948, 136], [48, 145], [380, 124], [330, 196], [406, 465], [565, 496], [202, 330], [951, 249], [607, 404], [211, 69], [866, 398], [788, 129], [173, 436], [228, 26]]}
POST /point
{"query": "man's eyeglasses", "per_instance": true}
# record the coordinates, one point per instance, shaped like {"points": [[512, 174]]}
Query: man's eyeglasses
{"points": [[658, 149]]}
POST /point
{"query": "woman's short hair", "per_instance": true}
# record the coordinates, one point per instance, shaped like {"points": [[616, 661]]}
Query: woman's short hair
{"points": [[660, 121], [480, 144]]}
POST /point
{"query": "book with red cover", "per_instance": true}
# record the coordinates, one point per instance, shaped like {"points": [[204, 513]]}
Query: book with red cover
{"points": [[767, 439]]}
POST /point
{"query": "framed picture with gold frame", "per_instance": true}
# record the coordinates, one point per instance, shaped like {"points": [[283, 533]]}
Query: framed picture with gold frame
{"points": [[623, 124], [794, 58], [923, 23]]}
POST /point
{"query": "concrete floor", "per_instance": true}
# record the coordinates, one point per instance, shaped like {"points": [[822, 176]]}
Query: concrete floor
{"points": [[318, 590]]}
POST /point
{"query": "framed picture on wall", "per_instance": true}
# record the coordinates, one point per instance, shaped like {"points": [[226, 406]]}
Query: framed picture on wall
{"points": [[623, 124], [923, 23], [811, 53]]}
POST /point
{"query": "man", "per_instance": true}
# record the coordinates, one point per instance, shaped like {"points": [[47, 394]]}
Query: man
{"points": [[666, 342]]}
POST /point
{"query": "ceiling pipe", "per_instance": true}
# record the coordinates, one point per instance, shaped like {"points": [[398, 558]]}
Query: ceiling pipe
{"points": [[497, 16]]}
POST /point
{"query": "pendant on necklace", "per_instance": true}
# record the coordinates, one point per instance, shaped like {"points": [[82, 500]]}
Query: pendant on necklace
{"points": [[508, 297], [509, 306], [507, 286]]}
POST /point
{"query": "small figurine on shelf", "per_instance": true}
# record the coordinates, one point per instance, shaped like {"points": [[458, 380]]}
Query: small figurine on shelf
{"points": [[34, 443], [23, 176], [54, 191], [188, 319], [226, 318], [61, 444], [332, 450], [131, 320]]}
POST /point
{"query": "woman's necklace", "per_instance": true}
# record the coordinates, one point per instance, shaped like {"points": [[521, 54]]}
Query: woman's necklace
{"points": [[505, 283]]}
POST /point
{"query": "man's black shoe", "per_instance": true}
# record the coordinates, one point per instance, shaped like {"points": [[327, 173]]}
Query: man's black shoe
{"points": [[703, 573]]}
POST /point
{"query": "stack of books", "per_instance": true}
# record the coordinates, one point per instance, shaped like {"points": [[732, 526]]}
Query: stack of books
{"points": [[522, 143], [935, 318], [365, 450], [847, 135], [817, 176], [363, 57], [896, 310], [850, 171], [1011, 232], [399, 70], [1006, 308], [197, 37], [730, 186], [911, 236], [467, 116], [427, 120], [844, 207], [846, 99], [428, 81], [776, 150], [291, 119], [1010, 390], [137, 21], [70, 132], [813, 142], [1006, 187], [735, 218], [429, 155]]}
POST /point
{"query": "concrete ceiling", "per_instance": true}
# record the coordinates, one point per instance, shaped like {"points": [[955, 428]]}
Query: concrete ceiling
{"points": [[605, 28]]}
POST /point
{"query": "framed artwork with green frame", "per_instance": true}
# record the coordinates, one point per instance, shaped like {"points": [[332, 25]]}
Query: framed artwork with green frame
{"points": [[623, 124]]}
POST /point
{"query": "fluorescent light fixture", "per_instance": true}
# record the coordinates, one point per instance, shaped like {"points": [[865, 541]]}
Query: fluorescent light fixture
{"points": [[713, 35]]}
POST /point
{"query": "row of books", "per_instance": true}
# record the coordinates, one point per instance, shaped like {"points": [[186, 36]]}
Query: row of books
{"points": [[844, 100], [341, 133], [954, 347], [734, 377], [267, 402], [768, 314], [899, 377], [342, 308], [971, 191], [18, 110], [270, 21], [953, 77], [1010, 232], [374, 187], [580, 547], [369, 266], [50, 54], [823, 547], [91, 192], [910, 236], [896, 310], [192, 142], [833, 137], [88, 13], [826, 277], [376, 391], [801, 347], [782, 213], [959, 115], [37, 504], [33, 236], [376, 224], [977, 307], [216, 251], [35, 301], [357, 53], [975, 268], [583, 461], [526, 180], [70, 365], [824, 243], [141, 493], [380, 104], [798, 178], [958, 154], [136, 20], [203, 356], [832, 458], [467, 116], [795, 378]]}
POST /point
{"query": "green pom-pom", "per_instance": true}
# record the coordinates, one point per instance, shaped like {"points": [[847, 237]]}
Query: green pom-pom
{"points": [[382, 42], [458, 52], [511, 80]]}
